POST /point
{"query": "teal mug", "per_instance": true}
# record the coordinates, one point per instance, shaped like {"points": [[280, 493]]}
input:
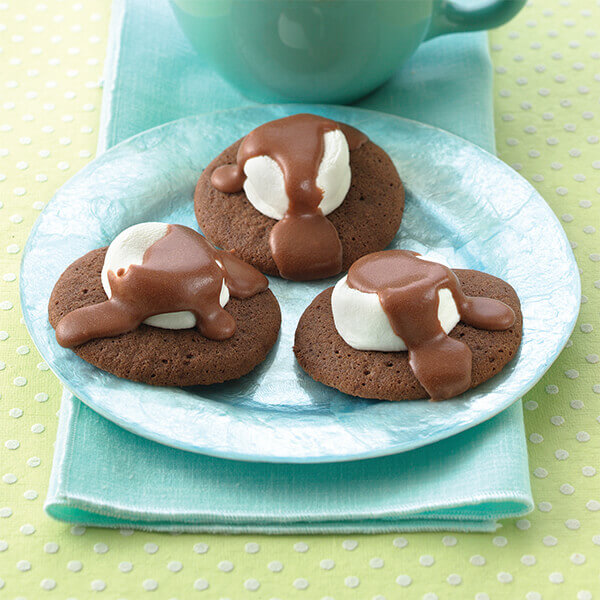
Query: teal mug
{"points": [[331, 51]]}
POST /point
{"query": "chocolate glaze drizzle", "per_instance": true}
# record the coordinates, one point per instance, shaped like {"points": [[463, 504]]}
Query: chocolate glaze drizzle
{"points": [[408, 291], [178, 272], [304, 244]]}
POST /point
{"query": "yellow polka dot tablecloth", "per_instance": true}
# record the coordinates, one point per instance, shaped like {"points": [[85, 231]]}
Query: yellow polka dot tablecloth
{"points": [[547, 105]]}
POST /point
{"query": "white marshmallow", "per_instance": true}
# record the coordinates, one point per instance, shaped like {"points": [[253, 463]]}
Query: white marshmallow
{"points": [[127, 249], [265, 186], [363, 324]]}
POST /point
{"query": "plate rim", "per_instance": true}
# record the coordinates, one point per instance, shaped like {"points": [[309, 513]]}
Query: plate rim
{"points": [[284, 459]]}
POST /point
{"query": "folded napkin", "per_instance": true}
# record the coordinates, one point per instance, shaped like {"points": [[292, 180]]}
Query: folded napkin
{"points": [[103, 475]]}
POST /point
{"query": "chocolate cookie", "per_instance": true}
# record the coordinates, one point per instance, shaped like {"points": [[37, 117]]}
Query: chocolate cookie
{"points": [[326, 357], [166, 356], [366, 221]]}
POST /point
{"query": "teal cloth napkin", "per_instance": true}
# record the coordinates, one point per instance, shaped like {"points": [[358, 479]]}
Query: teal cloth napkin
{"points": [[102, 475]]}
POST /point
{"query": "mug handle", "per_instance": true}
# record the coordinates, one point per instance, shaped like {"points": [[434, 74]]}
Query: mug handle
{"points": [[449, 17]]}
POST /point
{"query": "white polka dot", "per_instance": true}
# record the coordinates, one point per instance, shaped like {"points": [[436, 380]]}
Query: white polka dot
{"points": [[556, 578], [583, 436], [251, 547], [500, 541], [576, 404], [531, 405], [276, 566], [536, 438], [77, 530], [175, 566], [27, 529], [528, 560], [376, 563], [584, 595], [151, 548], [225, 565], [3, 545], [572, 524], [426, 560], [545, 506], [34, 461], [533, 596], [588, 471], [567, 489], [327, 564], [101, 548], [51, 547], [30, 494], [561, 454], [477, 560], [125, 566], [351, 581], [400, 542], [523, 524], [253, 584], [24, 565], [577, 558], [549, 540], [403, 580], [449, 540], [16, 413], [454, 579], [98, 585], [349, 545], [47, 584], [201, 548], [593, 505], [504, 577], [301, 547], [150, 585], [37, 428], [75, 566]]}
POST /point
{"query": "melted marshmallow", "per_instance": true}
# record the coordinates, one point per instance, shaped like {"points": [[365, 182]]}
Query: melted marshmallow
{"points": [[127, 249], [363, 324], [265, 186]]}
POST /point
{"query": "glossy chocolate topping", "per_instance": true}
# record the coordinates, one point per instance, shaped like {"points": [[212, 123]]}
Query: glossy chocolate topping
{"points": [[304, 244], [178, 272], [408, 288]]}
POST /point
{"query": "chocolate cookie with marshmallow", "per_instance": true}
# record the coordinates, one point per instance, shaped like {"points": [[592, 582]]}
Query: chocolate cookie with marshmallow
{"points": [[302, 197], [162, 306], [400, 326]]}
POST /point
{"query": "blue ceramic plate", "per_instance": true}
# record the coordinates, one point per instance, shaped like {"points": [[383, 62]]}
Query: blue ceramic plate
{"points": [[461, 202]]}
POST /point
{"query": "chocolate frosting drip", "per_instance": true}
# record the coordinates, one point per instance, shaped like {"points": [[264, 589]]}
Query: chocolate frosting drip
{"points": [[178, 272], [304, 244], [408, 288]]}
